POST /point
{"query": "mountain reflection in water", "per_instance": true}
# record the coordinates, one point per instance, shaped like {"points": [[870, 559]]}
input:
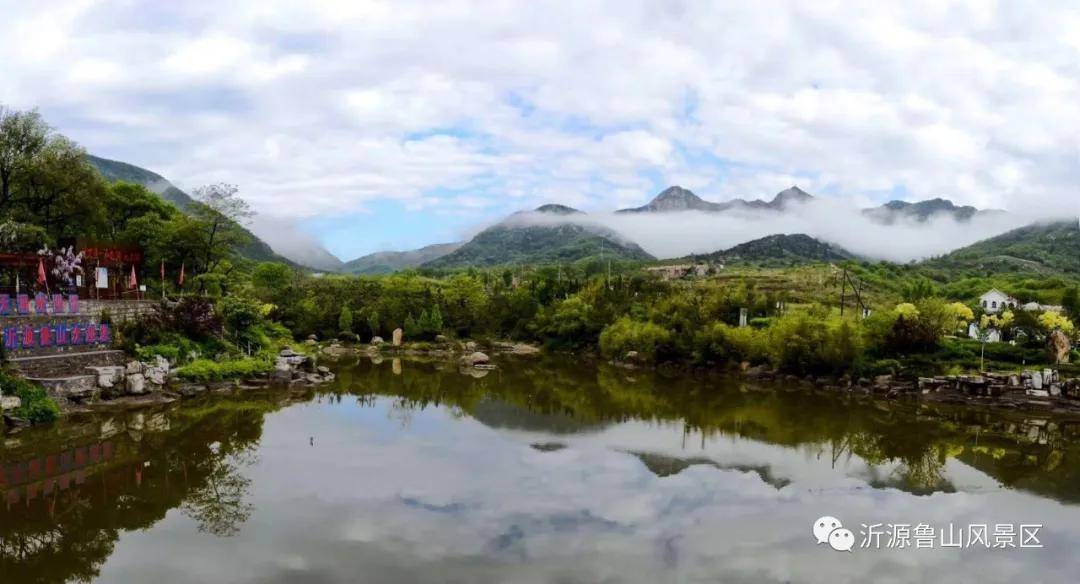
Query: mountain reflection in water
{"points": [[541, 471]]}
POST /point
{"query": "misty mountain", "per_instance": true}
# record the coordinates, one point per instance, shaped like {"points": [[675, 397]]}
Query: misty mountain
{"points": [[1039, 247], [781, 249], [676, 198], [542, 236], [922, 211], [311, 255], [385, 262]]}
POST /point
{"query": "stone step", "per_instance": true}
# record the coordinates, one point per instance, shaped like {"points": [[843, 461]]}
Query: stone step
{"points": [[65, 365]]}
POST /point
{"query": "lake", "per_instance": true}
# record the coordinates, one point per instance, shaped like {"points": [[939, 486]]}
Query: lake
{"points": [[541, 471]]}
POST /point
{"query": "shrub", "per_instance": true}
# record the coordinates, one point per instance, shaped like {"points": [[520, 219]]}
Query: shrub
{"points": [[205, 370], [169, 352], [810, 342], [36, 406], [723, 343], [625, 335]]}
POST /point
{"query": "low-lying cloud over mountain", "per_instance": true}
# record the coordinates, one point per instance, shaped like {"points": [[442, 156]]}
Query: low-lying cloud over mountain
{"points": [[678, 223]]}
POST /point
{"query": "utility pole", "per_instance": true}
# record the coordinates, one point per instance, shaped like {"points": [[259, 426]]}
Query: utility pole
{"points": [[843, 291]]}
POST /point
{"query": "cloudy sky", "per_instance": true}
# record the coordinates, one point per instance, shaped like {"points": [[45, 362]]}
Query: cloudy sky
{"points": [[378, 125]]}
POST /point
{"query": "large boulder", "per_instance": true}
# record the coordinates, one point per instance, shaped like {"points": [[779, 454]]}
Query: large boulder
{"points": [[398, 335], [474, 359], [1059, 347], [282, 371], [109, 376], [377, 340], [136, 384]]}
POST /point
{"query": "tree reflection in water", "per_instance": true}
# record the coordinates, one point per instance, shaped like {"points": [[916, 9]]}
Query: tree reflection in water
{"points": [[219, 504], [62, 524]]}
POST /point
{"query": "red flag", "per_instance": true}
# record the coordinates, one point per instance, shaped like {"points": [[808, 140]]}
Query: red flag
{"points": [[132, 281], [181, 274], [41, 271]]}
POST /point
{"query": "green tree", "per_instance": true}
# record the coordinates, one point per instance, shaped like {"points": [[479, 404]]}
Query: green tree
{"points": [[345, 320], [1071, 301], [215, 228], [23, 136]]}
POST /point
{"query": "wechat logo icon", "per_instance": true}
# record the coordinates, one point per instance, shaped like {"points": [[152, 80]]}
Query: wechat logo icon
{"points": [[829, 530]]}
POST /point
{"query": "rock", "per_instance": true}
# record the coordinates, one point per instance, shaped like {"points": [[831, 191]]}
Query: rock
{"points": [[322, 369], [287, 352], [136, 384], [313, 338], [314, 378], [440, 338], [16, 422], [377, 340], [755, 372], [631, 356], [471, 347], [1058, 346], [883, 380], [109, 375], [191, 389], [282, 372], [1038, 393], [1055, 389], [476, 358], [134, 367], [10, 402], [395, 366], [156, 375], [311, 342], [1036, 380], [398, 334]]}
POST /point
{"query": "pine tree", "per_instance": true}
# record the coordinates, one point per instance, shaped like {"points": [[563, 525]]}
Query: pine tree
{"points": [[436, 320]]}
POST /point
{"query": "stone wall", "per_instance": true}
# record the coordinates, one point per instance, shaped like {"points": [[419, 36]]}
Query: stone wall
{"points": [[119, 310]]}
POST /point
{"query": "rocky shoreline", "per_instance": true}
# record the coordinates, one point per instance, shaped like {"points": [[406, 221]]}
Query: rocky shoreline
{"points": [[1031, 390]]}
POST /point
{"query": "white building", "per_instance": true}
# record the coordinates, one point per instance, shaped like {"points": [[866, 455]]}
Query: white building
{"points": [[995, 301]]}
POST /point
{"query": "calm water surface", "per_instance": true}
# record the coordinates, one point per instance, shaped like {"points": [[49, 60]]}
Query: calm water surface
{"points": [[538, 472]]}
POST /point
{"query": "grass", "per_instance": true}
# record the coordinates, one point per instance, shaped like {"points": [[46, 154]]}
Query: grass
{"points": [[206, 370]]}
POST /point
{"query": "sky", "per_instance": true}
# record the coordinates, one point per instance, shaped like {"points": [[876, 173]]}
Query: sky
{"points": [[391, 125]]}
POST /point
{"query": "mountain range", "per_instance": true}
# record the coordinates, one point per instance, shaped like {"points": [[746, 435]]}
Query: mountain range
{"points": [[558, 233], [677, 198]]}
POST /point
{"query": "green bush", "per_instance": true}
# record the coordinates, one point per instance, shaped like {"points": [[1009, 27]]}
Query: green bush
{"points": [[169, 352], [813, 343], [722, 343], [625, 335], [205, 370], [36, 406]]}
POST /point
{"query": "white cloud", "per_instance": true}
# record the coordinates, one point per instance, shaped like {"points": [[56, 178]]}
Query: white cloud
{"points": [[322, 107]]}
